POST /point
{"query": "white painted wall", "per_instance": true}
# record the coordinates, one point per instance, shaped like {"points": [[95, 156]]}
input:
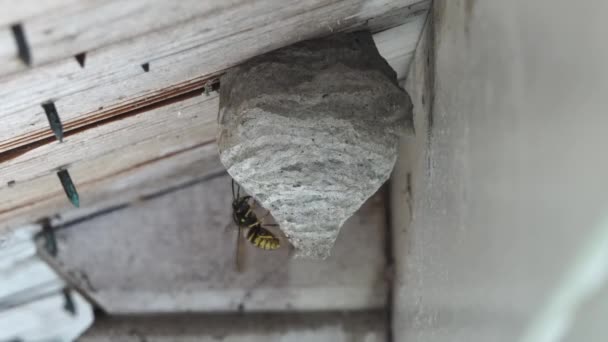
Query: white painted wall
{"points": [[501, 235]]}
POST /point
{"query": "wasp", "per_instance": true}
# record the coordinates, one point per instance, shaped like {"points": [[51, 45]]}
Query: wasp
{"points": [[246, 219]]}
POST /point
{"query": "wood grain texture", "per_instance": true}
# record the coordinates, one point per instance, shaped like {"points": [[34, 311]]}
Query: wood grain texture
{"points": [[8, 52], [18, 11], [117, 161], [175, 252], [397, 45], [107, 156], [181, 58], [370, 326], [31, 294]]}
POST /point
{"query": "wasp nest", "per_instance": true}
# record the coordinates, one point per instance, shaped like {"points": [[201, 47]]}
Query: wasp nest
{"points": [[311, 132]]}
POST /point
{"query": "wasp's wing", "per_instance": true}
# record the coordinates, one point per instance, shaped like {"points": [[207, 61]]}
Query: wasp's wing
{"points": [[263, 238], [229, 229], [265, 233], [240, 251]]}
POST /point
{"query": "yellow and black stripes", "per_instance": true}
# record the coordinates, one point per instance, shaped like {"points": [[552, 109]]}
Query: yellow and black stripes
{"points": [[244, 216], [262, 238]]}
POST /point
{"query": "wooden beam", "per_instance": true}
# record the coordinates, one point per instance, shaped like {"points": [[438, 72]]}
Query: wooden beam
{"points": [[32, 294], [368, 326], [397, 45], [102, 161], [18, 11], [59, 29], [9, 60], [191, 230], [180, 58]]}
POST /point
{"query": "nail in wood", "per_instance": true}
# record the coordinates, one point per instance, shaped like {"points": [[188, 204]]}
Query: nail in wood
{"points": [[69, 302], [69, 187], [54, 121], [80, 58], [23, 49], [50, 242]]}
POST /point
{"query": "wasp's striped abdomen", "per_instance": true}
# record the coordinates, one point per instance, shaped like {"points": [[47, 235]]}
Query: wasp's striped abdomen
{"points": [[245, 218], [263, 238]]}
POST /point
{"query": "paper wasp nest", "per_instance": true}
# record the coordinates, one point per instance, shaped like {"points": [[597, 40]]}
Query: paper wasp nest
{"points": [[311, 132]]}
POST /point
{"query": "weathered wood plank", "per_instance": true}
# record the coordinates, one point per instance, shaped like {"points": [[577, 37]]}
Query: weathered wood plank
{"points": [[61, 29], [112, 186], [106, 157], [101, 152], [31, 294], [9, 61], [292, 327], [17, 11], [398, 45], [176, 252], [181, 58], [88, 25], [104, 160], [189, 120]]}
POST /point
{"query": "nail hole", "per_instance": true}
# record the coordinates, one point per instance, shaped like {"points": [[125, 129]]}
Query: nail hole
{"points": [[53, 117], [69, 187], [23, 49], [215, 86], [11, 184], [146, 67], [80, 58], [211, 85], [408, 183]]}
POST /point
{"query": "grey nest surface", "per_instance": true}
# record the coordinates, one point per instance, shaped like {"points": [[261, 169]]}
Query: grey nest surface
{"points": [[311, 132]]}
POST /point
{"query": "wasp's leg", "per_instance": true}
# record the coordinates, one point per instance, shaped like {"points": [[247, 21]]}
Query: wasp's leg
{"points": [[251, 208], [257, 223], [238, 189], [239, 259]]}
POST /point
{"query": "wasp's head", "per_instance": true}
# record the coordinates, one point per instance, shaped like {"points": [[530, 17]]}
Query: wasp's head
{"points": [[241, 204]]}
